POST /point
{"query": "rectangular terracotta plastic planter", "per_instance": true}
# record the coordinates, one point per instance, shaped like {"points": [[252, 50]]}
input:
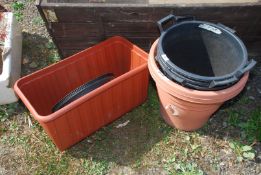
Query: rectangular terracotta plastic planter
{"points": [[41, 90]]}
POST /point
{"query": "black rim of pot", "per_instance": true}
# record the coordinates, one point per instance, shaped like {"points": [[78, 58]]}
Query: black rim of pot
{"points": [[213, 81]]}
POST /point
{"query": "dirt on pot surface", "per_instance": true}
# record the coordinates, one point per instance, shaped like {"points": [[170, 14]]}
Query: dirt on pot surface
{"points": [[138, 143]]}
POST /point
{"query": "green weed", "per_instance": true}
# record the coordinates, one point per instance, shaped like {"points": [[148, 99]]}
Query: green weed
{"points": [[233, 118], [50, 45], [3, 114], [244, 100], [243, 152], [95, 168], [137, 163], [54, 56], [182, 168], [18, 16], [18, 7], [57, 167], [252, 127], [7, 110], [37, 21]]}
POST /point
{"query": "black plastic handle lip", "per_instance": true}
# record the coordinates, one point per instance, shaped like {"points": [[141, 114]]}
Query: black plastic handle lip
{"points": [[204, 78], [201, 85], [82, 90], [250, 64], [217, 82], [231, 80], [191, 85], [237, 73], [236, 77], [175, 19], [165, 20]]}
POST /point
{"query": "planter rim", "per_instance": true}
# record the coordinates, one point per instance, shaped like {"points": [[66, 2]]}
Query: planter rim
{"points": [[92, 94]]}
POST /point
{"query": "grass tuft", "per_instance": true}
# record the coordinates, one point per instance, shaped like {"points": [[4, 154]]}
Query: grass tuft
{"points": [[252, 127], [172, 166], [243, 152], [18, 7]]}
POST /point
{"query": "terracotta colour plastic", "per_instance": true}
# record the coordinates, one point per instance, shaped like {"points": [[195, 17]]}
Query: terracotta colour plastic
{"points": [[41, 90], [184, 108]]}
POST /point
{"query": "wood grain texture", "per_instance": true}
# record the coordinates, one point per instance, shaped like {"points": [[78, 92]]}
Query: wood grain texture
{"points": [[82, 25], [100, 1], [152, 1]]}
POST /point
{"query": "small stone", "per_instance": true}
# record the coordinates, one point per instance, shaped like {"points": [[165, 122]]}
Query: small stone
{"points": [[251, 98], [122, 170], [33, 65], [3, 171], [259, 91], [187, 138], [226, 151], [25, 31], [222, 164], [89, 141], [25, 61], [248, 87]]}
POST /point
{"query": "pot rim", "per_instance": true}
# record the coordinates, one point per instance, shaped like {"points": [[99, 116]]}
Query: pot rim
{"points": [[200, 77], [192, 95]]}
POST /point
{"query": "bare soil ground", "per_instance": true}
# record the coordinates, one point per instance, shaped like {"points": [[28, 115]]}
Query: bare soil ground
{"points": [[228, 144]]}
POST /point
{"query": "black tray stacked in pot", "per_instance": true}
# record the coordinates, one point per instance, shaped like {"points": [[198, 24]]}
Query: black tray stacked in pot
{"points": [[201, 55]]}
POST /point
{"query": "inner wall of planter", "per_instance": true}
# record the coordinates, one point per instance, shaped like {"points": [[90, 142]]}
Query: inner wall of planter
{"points": [[52, 84]]}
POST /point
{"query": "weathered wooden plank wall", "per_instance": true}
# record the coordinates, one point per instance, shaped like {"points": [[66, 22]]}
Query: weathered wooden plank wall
{"points": [[76, 26]]}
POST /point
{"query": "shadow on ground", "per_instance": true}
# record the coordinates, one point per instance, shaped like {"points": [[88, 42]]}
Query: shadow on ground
{"points": [[246, 102], [38, 52], [125, 146], [226, 122]]}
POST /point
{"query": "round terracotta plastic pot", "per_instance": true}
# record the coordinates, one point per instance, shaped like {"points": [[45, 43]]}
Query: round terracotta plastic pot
{"points": [[188, 109]]}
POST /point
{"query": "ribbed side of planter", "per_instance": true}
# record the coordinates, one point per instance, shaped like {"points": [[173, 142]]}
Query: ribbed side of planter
{"points": [[67, 126], [96, 112], [182, 114]]}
